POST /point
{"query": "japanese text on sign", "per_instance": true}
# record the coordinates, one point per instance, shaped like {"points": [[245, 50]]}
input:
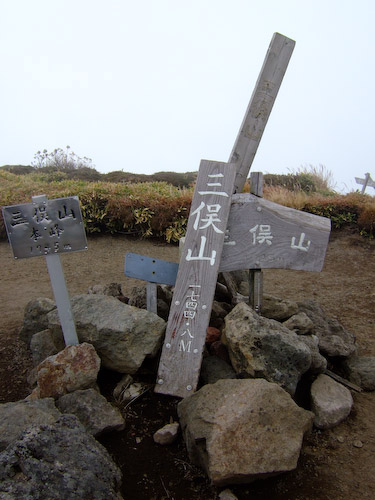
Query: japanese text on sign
{"points": [[45, 227]]}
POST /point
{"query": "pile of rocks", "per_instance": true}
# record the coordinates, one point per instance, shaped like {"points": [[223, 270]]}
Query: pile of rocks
{"points": [[243, 423]]}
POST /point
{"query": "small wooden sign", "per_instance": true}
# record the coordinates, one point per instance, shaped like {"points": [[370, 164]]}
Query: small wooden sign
{"points": [[196, 280], [262, 234]]}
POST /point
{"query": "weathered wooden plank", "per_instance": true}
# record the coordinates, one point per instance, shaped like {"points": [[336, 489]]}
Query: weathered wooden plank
{"points": [[343, 381], [260, 106], [256, 184], [190, 311], [263, 234]]}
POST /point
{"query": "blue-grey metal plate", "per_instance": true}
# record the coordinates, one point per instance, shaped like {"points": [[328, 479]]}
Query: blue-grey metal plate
{"points": [[149, 269], [45, 227]]}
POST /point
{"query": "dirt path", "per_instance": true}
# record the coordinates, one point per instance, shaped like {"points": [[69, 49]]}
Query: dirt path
{"points": [[331, 466]]}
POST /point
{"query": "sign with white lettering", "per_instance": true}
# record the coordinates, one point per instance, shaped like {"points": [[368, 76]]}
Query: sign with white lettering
{"points": [[196, 280], [45, 227], [262, 234]]}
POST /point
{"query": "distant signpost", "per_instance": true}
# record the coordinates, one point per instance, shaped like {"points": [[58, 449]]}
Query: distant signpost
{"points": [[366, 182], [48, 228]]}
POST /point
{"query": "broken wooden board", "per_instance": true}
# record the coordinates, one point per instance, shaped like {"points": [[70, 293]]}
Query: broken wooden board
{"points": [[260, 106], [190, 311]]}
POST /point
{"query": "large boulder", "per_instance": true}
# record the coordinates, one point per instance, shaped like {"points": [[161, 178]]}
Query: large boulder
{"points": [[75, 367], [93, 411], [330, 401], [35, 317], [17, 416], [241, 430], [58, 460], [334, 340], [122, 335], [263, 348], [361, 371]]}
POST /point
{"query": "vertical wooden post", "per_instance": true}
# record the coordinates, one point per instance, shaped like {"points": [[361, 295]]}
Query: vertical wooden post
{"points": [[151, 297], [256, 275], [365, 183]]}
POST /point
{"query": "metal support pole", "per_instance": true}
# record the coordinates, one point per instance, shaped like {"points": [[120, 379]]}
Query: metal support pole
{"points": [[256, 275], [60, 291]]}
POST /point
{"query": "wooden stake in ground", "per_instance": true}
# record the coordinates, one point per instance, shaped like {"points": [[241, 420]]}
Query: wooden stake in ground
{"points": [[196, 280]]}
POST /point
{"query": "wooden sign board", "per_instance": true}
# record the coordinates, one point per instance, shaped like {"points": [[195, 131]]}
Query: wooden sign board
{"points": [[190, 311], [262, 234]]}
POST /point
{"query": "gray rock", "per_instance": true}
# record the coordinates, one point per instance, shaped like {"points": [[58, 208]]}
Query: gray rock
{"points": [[334, 340], [130, 392], [122, 335], [214, 369], [43, 344], [92, 409], [300, 323], [167, 434], [361, 371], [52, 470], [278, 309], [227, 494], [138, 298], [122, 386], [263, 348], [35, 318], [241, 430], [318, 362], [16, 417], [331, 402], [112, 290], [218, 312]]}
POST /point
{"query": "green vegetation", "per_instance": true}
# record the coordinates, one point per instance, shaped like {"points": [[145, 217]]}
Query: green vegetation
{"points": [[120, 203]]}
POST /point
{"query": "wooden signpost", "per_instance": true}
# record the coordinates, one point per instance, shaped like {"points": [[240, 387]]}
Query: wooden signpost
{"points": [[48, 228], [206, 232], [366, 182], [196, 280]]}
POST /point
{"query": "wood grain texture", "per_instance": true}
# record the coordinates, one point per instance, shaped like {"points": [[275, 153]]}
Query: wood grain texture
{"points": [[260, 106], [263, 234], [190, 311]]}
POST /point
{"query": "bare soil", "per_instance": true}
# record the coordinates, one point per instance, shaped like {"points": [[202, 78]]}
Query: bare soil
{"points": [[335, 464]]}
